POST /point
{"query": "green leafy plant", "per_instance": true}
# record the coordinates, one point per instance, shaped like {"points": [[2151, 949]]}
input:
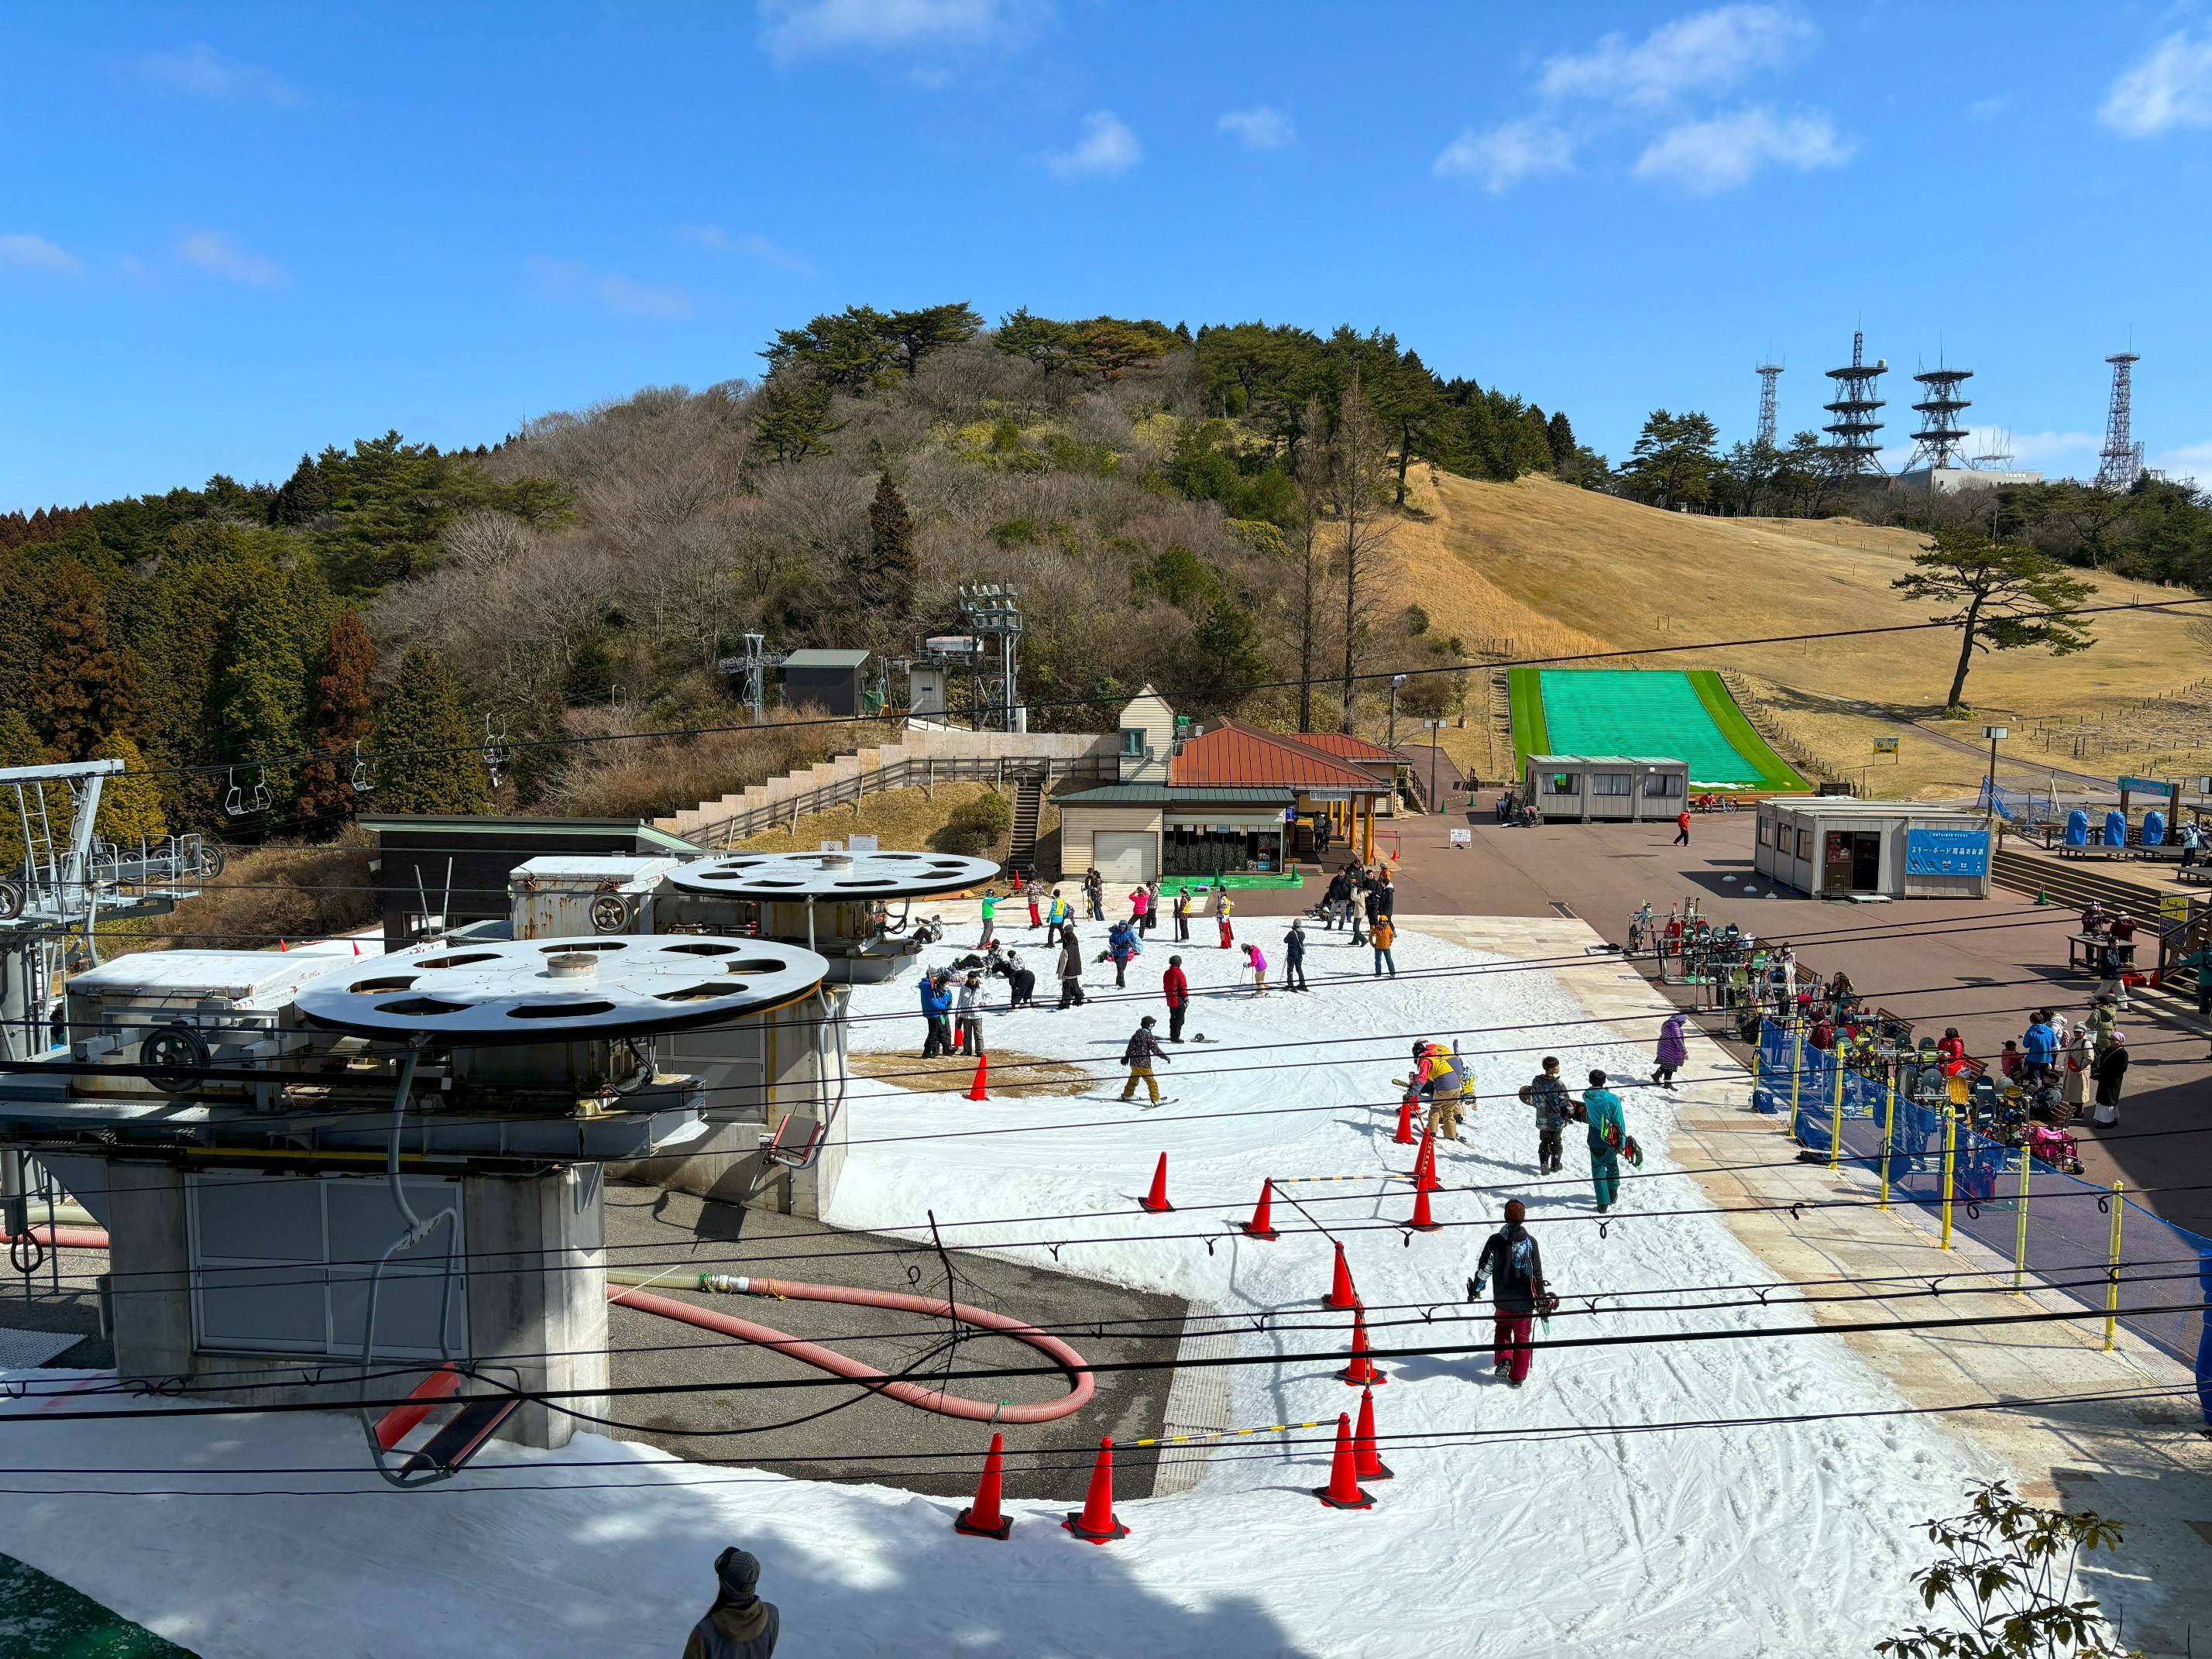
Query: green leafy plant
{"points": [[2007, 1573], [975, 826]]}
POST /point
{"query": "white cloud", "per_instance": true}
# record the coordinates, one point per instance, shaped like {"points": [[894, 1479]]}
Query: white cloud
{"points": [[1261, 128], [798, 28], [219, 255], [1108, 149], [24, 252], [201, 71], [1504, 155], [2043, 449], [2171, 87], [2191, 461], [1706, 157], [1709, 52], [1984, 109], [751, 246], [625, 298]]}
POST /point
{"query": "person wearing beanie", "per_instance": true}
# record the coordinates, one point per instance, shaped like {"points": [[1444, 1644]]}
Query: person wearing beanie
{"points": [[1142, 1053], [1175, 985], [739, 1626], [1511, 1261]]}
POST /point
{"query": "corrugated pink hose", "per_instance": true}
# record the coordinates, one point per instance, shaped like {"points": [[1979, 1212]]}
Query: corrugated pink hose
{"points": [[828, 1359], [810, 1353]]}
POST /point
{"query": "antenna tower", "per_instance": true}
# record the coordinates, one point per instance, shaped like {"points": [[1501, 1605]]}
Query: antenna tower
{"points": [[1768, 374], [2121, 459], [1853, 407], [1941, 441], [1996, 448]]}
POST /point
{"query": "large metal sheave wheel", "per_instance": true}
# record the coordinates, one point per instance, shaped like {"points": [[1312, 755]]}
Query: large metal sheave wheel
{"points": [[561, 990], [832, 878]]}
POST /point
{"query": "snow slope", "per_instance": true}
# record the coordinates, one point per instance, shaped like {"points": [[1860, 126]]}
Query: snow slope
{"points": [[1776, 1540]]}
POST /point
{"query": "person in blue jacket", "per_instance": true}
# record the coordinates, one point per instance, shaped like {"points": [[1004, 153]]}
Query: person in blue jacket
{"points": [[2039, 1050], [936, 1015], [1607, 1133]]}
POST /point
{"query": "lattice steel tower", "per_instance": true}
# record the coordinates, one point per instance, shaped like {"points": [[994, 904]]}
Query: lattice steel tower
{"points": [[2121, 459], [1768, 374], [1941, 440], [1853, 407]]}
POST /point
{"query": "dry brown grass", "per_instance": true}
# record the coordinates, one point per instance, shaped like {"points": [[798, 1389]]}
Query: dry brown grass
{"points": [[1012, 1074], [652, 777], [902, 818], [265, 894]]}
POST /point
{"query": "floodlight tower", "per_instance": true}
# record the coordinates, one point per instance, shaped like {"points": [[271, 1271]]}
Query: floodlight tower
{"points": [[2121, 459], [1853, 407], [1941, 441], [1768, 374], [989, 612]]}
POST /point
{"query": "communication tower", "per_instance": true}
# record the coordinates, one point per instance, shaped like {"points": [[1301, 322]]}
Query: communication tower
{"points": [[1768, 374], [1853, 407], [1941, 441], [2121, 459], [989, 613]]}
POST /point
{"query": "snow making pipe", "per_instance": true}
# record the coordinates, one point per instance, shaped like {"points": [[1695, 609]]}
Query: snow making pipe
{"points": [[621, 1290]]}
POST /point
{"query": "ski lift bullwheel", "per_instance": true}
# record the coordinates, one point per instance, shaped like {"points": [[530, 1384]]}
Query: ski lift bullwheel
{"points": [[171, 1056], [11, 900]]}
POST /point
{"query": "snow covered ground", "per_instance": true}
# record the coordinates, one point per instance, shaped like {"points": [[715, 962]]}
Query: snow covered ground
{"points": [[1794, 1540]]}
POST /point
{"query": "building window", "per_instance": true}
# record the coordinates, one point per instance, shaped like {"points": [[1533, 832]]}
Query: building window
{"points": [[1805, 845], [1661, 783], [1608, 783], [1133, 741], [1564, 783], [1765, 832]]}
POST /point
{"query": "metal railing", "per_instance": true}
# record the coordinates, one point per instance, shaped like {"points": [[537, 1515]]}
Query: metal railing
{"points": [[724, 833]]}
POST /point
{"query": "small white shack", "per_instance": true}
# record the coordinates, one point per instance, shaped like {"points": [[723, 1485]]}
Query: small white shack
{"points": [[1834, 846], [1606, 788]]}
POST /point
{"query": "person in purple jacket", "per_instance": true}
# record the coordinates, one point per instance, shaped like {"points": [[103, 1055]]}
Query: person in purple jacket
{"points": [[1674, 1051]]}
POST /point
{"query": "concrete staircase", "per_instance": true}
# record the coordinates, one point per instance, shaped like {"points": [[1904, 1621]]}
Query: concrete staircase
{"points": [[2074, 882], [1029, 808]]}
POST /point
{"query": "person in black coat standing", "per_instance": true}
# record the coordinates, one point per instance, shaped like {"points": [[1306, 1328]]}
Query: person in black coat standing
{"points": [[1512, 1262], [1294, 956], [739, 1626]]}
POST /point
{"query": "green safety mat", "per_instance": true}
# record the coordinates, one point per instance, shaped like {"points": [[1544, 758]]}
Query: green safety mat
{"points": [[42, 1618], [1636, 712], [1235, 879]]}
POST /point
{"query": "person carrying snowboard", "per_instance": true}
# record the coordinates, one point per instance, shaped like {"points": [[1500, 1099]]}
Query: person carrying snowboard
{"points": [[1547, 1092], [1511, 1261], [1609, 1134], [1140, 1054]]}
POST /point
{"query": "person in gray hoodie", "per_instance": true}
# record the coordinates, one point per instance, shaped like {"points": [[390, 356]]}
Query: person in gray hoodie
{"points": [[739, 1626]]}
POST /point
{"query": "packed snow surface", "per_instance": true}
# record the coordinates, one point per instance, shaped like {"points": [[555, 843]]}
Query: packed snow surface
{"points": [[1560, 1536]]}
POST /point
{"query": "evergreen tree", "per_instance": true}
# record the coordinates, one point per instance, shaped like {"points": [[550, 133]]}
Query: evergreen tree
{"points": [[794, 417], [427, 759], [85, 687], [342, 715], [262, 704], [1559, 436], [20, 746], [885, 573], [1230, 657], [918, 334], [1675, 462], [130, 801], [1999, 597]]}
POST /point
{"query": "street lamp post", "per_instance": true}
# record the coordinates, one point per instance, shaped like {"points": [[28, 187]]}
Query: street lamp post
{"points": [[1995, 734], [1396, 680]]}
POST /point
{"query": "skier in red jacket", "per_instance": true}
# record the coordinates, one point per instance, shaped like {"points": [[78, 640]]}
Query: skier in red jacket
{"points": [[1176, 990]]}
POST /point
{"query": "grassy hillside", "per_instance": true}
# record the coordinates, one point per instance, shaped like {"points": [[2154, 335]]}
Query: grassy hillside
{"points": [[1536, 567]]}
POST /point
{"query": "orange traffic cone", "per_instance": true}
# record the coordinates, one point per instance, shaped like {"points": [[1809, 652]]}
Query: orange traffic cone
{"points": [[1157, 1200], [1341, 1294], [1367, 1463], [975, 1089], [1096, 1524], [282, 945], [1343, 1492], [1261, 1225], [1404, 1136], [1423, 1222], [1361, 1372], [1424, 1164], [981, 1518]]}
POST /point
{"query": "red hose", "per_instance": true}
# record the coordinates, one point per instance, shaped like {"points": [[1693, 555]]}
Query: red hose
{"points": [[810, 1353], [828, 1359]]}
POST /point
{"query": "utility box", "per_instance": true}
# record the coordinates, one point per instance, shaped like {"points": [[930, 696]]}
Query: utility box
{"points": [[925, 692], [567, 897], [1834, 847], [1606, 788], [829, 680]]}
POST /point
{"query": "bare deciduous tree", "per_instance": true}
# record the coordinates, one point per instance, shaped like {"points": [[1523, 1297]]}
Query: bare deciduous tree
{"points": [[1359, 488]]}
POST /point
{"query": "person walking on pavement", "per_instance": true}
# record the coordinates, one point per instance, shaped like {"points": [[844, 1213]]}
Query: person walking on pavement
{"points": [[2110, 1071], [969, 1014], [1294, 956], [2074, 1078], [1384, 936], [1607, 1134], [1386, 897], [1140, 1054], [2039, 1050], [739, 1626], [1674, 1051], [1512, 1262], [990, 916], [1070, 969], [1683, 828], [1547, 1093], [1224, 908], [1339, 888], [1182, 915], [936, 1004], [1175, 987]]}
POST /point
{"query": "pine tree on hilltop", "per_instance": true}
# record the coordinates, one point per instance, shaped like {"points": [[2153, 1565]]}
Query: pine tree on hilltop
{"points": [[428, 760], [343, 717], [885, 573], [130, 801], [85, 687]]}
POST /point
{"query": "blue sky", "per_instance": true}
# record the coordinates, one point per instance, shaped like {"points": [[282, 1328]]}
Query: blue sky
{"points": [[229, 235]]}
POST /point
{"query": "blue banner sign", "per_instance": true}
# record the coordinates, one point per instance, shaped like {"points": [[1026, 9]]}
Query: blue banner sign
{"points": [[1946, 852], [2148, 786]]}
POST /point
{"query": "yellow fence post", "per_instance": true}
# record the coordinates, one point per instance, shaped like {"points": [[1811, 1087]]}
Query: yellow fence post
{"points": [[1888, 1139], [2112, 1273], [1836, 1114], [1950, 1166], [2019, 1228]]}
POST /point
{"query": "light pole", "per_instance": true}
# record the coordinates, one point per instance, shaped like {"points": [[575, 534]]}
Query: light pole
{"points": [[1434, 727], [1995, 734], [1396, 680]]}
